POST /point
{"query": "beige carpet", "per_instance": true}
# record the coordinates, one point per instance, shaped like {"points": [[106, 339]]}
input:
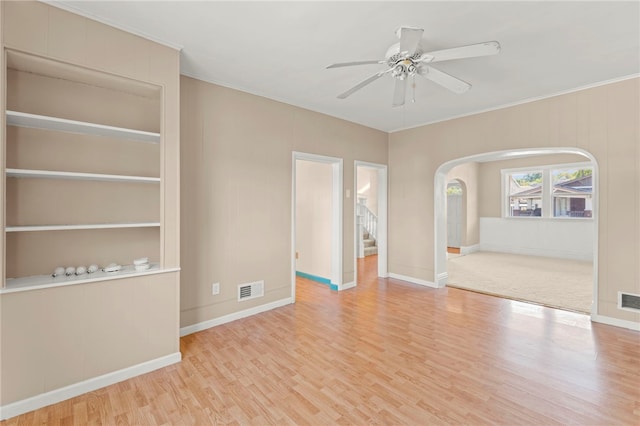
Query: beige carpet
{"points": [[562, 283]]}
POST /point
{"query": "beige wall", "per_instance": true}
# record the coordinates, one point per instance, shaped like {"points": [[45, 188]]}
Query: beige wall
{"points": [[467, 175], [236, 186], [55, 337], [602, 120], [314, 190], [490, 186]]}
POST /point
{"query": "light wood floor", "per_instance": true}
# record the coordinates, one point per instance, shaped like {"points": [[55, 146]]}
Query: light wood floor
{"points": [[386, 352]]}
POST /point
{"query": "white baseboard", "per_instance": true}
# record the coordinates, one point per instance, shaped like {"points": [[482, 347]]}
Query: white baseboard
{"points": [[616, 322], [532, 251], [52, 397], [189, 329], [347, 286], [441, 279], [464, 250], [413, 280]]}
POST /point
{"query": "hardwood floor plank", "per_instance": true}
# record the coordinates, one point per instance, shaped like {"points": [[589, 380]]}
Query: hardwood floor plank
{"points": [[385, 352]]}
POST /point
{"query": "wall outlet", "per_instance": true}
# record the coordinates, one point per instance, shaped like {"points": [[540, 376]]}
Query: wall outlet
{"points": [[215, 288]]}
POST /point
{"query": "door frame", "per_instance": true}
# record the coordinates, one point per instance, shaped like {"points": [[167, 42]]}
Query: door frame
{"points": [[336, 216], [382, 240], [462, 222]]}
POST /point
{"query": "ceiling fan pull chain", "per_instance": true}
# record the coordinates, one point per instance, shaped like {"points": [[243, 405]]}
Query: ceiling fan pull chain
{"points": [[413, 89]]}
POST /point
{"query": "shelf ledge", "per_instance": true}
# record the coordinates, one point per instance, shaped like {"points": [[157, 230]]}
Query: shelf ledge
{"points": [[33, 228], [24, 119], [49, 174], [37, 282]]}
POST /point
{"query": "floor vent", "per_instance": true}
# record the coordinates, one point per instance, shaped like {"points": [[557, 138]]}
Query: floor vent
{"points": [[628, 301], [250, 290]]}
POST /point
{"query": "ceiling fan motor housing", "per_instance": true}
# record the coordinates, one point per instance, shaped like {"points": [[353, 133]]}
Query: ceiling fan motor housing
{"points": [[402, 64]]}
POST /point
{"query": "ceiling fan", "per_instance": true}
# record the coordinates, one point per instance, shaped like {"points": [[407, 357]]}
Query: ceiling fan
{"points": [[406, 59]]}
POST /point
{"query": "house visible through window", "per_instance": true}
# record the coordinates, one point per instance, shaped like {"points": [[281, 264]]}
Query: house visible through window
{"points": [[525, 193], [550, 191], [572, 191]]}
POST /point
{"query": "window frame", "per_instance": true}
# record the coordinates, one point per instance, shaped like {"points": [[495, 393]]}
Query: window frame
{"points": [[547, 196]]}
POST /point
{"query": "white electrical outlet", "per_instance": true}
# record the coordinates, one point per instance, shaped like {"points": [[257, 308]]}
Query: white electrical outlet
{"points": [[215, 288]]}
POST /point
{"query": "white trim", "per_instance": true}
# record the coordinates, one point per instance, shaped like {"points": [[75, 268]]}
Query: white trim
{"points": [[521, 102], [465, 250], [337, 190], [615, 322], [33, 228], [57, 395], [105, 21], [51, 174], [194, 328], [347, 286], [413, 280], [441, 279], [535, 251]]}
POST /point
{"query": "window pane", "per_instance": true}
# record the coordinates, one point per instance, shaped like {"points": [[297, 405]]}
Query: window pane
{"points": [[525, 193], [572, 192]]}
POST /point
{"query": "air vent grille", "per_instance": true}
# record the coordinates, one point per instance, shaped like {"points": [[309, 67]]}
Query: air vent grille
{"points": [[250, 290], [629, 301]]}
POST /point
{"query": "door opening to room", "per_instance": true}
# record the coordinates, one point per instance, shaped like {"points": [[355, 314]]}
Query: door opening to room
{"points": [[367, 220], [370, 221], [455, 197], [317, 225]]}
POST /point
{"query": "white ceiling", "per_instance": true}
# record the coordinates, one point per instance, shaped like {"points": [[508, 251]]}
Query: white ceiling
{"points": [[279, 50]]}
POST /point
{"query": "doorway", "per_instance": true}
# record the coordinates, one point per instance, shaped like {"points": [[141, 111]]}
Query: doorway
{"points": [[488, 243], [316, 234], [370, 221], [455, 213]]}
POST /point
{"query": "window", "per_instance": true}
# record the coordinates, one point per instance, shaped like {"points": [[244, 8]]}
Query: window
{"points": [[572, 191], [525, 193], [562, 191]]}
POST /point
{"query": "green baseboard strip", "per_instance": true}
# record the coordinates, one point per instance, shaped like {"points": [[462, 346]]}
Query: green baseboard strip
{"points": [[317, 279]]}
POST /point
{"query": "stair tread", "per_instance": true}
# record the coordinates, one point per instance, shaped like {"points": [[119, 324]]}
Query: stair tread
{"points": [[368, 251]]}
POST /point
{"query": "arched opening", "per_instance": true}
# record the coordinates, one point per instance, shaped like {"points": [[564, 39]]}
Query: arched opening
{"points": [[443, 176]]}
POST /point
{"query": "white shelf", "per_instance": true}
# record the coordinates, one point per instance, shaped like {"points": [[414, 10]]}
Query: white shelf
{"points": [[47, 281], [47, 174], [32, 228], [23, 119]]}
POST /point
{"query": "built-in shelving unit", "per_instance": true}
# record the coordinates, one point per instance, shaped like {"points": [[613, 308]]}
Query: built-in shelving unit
{"points": [[81, 189], [23, 119]]}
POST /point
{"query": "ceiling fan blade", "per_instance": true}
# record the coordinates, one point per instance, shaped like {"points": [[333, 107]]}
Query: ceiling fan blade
{"points": [[349, 64], [409, 39], [362, 84], [445, 80], [399, 92], [471, 51]]}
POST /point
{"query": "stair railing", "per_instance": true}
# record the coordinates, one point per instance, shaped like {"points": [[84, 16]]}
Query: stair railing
{"points": [[368, 219]]}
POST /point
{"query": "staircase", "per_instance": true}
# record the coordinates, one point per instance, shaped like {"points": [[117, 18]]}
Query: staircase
{"points": [[367, 223], [369, 244]]}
